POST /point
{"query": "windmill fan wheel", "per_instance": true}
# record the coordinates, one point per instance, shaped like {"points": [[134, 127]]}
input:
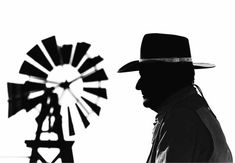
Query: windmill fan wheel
{"points": [[54, 56]]}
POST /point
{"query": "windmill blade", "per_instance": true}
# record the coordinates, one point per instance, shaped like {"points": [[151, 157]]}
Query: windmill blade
{"points": [[80, 51], [52, 49], [93, 106], [17, 98], [31, 70], [32, 87], [90, 62], [96, 76], [101, 92], [66, 53], [71, 128], [36, 54], [83, 117]]}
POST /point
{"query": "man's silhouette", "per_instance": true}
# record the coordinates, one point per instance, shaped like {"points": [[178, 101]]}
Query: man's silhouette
{"points": [[185, 130]]}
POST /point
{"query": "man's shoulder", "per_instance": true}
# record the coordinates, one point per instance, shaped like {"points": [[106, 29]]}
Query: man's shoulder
{"points": [[192, 102], [182, 116], [185, 111]]}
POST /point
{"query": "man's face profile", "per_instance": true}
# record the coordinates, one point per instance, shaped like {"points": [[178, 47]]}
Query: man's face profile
{"points": [[153, 84]]}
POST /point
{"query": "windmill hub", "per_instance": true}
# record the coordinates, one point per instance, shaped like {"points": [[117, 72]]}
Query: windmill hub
{"points": [[65, 84], [63, 75]]}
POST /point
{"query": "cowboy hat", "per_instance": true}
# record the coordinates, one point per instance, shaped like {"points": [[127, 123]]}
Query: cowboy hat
{"points": [[164, 48]]}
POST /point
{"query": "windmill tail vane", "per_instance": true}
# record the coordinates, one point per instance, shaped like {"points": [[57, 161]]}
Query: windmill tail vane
{"points": [[20, 95]]}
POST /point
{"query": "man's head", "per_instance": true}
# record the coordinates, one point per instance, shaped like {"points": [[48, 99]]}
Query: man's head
{"points": [[165, 66], [159, 81]]}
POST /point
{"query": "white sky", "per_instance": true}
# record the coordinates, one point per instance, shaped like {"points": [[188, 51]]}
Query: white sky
{"points": [[115, 29]]}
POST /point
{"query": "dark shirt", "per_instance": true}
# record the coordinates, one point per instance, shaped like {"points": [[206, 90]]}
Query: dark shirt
{"points": [[180, 135]]}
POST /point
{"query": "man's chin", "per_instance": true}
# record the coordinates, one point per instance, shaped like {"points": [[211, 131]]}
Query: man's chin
{"points": [[148, 103]]}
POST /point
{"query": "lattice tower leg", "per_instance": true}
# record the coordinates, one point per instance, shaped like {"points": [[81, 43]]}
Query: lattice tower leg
{"points": [[51, 109]]}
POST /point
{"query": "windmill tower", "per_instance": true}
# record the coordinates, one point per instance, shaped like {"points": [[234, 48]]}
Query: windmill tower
{"points": [[20, 95]]}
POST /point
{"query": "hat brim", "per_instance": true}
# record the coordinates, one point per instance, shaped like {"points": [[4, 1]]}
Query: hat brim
{"points": [[135, 66]]}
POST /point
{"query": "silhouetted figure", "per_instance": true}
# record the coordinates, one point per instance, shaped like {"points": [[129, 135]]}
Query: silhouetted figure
{"points": [[185, 130]]}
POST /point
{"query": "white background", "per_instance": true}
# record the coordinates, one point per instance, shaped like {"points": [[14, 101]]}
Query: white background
{"points": [[115, 29]]}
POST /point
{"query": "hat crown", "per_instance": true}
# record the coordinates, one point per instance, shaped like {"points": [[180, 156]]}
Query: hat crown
{"points": [[164, 46]]}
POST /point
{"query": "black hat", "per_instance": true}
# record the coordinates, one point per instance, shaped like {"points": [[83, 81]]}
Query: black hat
{"points": [[164, 48]]}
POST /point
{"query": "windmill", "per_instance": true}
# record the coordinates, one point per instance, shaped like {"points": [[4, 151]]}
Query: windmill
{"points": [[41, 90]]}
